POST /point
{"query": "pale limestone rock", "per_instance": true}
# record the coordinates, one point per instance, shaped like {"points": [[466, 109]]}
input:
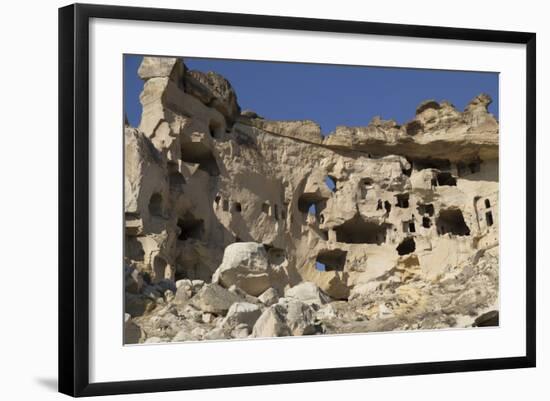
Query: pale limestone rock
{"points": [[245, 265], [271, 323], [269, 297], [214, 299], [308, 293], [242, 312]]}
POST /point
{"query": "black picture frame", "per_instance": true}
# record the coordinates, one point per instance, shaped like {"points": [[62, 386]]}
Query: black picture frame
{"points": [[74, 198]]}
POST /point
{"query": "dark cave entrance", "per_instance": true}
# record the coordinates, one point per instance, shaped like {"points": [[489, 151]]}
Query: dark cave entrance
{"points": [[359, 231], [452, 221]]}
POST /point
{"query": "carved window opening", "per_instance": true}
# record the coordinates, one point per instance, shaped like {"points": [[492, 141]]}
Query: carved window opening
{"points": [[190, 227], [330, 182], [487, 203], [406, 246], [426, 208], [197, 153], [215, 129], [402, 201], [452, 221], [426, 222], [359, 231], [444, 178], [237, 207], [489, 219], [333, 260]]}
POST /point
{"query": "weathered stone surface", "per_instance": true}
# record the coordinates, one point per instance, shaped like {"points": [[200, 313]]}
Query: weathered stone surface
{"points": [[271, 323], [242, 312], [214, 299], [245, 265], [309, 293], [389, 226], [269, 297], [155, 67]]}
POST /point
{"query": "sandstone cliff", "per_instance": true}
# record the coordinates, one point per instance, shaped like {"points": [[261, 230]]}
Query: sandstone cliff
{"points": [[238, 226]]}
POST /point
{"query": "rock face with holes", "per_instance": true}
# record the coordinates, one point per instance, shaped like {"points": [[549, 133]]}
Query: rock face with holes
{"points": [[238, 226]]}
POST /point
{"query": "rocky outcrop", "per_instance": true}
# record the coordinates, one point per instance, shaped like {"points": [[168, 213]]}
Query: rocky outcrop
{"points": [[237, 226]]}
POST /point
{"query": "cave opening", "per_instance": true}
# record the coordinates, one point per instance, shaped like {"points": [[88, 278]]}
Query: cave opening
{"points": [[387, 206], [237, 207], [439, 164], [426, 208], [402, 200], [197, 153], [452, 221], [444, 178], [359, 231], [406, 246], [190, 227], [332, 260], [155, 205], [426, 222], [487, 203], [215, 129]]}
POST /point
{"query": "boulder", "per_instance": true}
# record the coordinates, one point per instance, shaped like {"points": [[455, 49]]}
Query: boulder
{"points": [[308, 293], [215, 299], [244, 265], [242, 312], [271, 323], [299, 317]]}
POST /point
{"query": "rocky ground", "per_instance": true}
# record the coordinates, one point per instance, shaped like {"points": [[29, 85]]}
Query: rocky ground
{"points": [[192, 310]]}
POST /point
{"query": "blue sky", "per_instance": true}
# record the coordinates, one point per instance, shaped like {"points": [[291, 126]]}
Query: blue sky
{"points": [[330, 95]]}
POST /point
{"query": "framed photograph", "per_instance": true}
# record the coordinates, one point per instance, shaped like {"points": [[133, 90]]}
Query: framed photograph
{"points": [[251, 199]]}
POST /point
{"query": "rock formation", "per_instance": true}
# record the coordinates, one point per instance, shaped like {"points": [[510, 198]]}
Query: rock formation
{"points": [[237, 226]]}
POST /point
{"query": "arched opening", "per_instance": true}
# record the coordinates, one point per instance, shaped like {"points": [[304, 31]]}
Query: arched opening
{"points": [[215, 129], [332, 260], [190, 227], [359, 231], [330, 181], [452, 221], [487, 203], [237, 207], [198, 153], [379, 205], [155, 205], [426, 222], [387, 206], [406, 246]]}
